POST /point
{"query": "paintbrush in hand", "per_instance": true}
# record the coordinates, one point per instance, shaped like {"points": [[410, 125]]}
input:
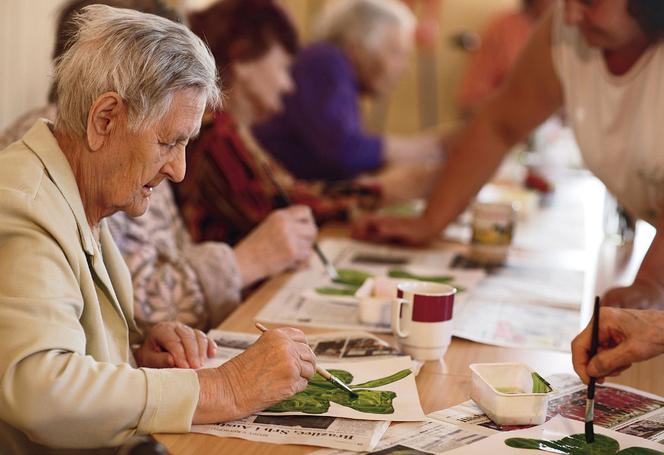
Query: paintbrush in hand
{"points": [[590, 399], [323, 372], [286, 201]]}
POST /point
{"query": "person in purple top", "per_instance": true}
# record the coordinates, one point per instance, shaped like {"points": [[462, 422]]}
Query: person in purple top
{"points": [[362, 48]]}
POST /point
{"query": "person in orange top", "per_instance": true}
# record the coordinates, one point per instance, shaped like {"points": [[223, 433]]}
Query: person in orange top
{"points": [[502, 42]]}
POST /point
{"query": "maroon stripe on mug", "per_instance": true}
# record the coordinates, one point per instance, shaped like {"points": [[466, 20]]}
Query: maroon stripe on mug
{"points": [[399, 294], [430, 308]]}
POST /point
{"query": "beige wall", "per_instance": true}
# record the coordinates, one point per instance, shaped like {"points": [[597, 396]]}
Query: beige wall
{"points": [[26, 40], [403, 109]]}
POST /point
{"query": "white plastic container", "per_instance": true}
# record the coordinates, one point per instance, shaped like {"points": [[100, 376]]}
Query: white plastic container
{"points": [[521, 408], [375, 307]]}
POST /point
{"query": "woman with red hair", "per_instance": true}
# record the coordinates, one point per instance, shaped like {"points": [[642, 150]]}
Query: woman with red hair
{"points": [[232, 183]]}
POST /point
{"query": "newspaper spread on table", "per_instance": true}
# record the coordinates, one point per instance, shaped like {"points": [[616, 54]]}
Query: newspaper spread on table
{"points": [[617, 407], [431, 437], [329, 347], [514, 306], [485, 319], [524, 307], [534, 301], [323, 431], [338, 433], [561, 436], [295, 304]]}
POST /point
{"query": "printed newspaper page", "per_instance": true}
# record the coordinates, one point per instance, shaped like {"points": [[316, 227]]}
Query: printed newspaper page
{"points": [[328, 347], [432, 437], [346, 434], [617, 407], [353, 346]]}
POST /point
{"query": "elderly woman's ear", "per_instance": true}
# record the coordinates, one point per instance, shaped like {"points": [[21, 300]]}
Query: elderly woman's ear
{"points": [[106, 112]]}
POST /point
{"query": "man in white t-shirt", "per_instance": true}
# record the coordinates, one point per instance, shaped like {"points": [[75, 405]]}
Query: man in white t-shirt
{"points": [[603, 61]]}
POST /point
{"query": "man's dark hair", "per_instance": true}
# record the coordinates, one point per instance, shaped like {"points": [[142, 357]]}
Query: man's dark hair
{"points": [[650, 16]]}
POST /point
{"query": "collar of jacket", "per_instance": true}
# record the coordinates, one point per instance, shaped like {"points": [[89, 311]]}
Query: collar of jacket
{"points": [[42, 142]]}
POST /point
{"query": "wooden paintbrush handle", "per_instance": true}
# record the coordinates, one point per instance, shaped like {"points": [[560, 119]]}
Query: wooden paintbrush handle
{"points": [[323, 372]]}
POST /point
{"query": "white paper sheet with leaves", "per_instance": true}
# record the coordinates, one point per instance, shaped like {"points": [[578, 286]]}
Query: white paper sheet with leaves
{"points": [[386, 388]]}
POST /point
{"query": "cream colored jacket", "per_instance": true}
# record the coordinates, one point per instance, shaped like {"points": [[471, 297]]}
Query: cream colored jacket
{"points": [[67, 373]]}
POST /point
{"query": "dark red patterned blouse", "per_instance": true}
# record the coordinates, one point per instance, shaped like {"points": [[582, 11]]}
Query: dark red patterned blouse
{"points": [[227, 190]]}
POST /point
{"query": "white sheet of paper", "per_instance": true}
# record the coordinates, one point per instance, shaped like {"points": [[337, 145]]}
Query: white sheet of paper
{"points": [[549, 286], [554, 429], [503, 323], [406, 404], [464, 280]]}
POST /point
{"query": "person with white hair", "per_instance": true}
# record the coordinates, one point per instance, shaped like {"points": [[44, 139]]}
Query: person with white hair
{"points": [[174, 277], [362, 48], [75, 371]]}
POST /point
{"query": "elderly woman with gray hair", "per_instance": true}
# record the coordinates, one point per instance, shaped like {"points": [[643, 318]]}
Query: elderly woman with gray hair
{"points": [[174, 278], [363, 48], [75, 372]]}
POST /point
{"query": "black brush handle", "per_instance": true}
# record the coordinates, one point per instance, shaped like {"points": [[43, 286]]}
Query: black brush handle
{"points": [[590, 401], [593, 345], [590, 433]]}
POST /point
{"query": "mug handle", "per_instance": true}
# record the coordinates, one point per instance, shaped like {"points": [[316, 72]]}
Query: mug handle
{"points": [[396, 319]]}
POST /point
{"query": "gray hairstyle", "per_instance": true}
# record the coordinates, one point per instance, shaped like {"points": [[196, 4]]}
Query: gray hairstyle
{"points": [[361, 22], [142, 57]]}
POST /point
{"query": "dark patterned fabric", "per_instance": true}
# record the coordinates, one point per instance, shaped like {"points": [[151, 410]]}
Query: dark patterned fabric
{"points": [[228, 188]]}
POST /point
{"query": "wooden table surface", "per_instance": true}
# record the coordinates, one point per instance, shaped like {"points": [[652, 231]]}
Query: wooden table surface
{"points": [[441, 384], [447, 382]]}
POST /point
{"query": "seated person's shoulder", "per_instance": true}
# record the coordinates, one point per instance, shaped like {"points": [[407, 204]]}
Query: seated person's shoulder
{"points": [[322, 55], [21, 171]]}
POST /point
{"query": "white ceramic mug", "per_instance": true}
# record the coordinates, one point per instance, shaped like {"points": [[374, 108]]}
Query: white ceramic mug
{"points": [[422, 318]]}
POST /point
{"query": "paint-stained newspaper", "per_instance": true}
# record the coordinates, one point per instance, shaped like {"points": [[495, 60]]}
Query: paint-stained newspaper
{"points": [[617, 407]]}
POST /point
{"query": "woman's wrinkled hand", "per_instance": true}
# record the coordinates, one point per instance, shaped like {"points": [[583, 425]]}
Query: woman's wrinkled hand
{"points": [[174, 344], [274, 368], [283, 241]]}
